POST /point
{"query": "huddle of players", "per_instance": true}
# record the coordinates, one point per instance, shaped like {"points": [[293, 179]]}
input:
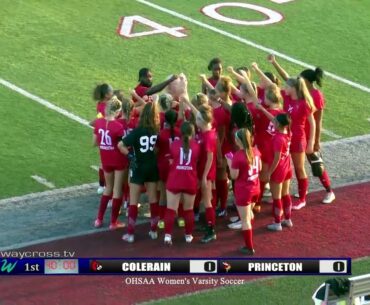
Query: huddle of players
{"points": [[188, 149]]}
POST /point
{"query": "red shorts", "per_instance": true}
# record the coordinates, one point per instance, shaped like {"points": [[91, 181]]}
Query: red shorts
{"points": [[281, 175], [244, 199], [298, 145], [164, 169], [188, 191], [112, 168], [267, 155]]}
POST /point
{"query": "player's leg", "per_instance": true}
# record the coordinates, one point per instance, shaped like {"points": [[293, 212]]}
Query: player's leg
{"points": [[151, 190], [222, 188], [188, 202], [106, 196], [263, 181], [117, 199], [287, 204], [210, 212], [170, 215], [135, 191], [162, 203], [300, 171], [245, 213], [277, 206]]}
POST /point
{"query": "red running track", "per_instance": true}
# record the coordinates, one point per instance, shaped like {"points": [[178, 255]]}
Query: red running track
{"points": [[333, 230]]}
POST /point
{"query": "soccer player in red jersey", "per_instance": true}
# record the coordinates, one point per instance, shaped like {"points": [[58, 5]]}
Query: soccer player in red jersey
{"points": [[107, 133], [299, 104], [146, 88], [215, 66], [207, 163], [143, 168], [102, 94], [244, 167], [182, 182], [166, 136], [311, 77]]}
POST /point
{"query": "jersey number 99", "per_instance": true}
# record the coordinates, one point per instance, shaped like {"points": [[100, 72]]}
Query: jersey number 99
{"points": [[147, 143]]}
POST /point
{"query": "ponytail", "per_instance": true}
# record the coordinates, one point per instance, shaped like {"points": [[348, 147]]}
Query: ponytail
{"points": [[100, 92], [313, 76], [187, 131], [245, 138], [302, 91]]}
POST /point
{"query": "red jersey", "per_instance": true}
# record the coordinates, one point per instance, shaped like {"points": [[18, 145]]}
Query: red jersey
{"points": [[183, 170], [247, 184], [222, 119], [100, 109], [299, 111], [208, 143], [319, 102], [134, 119], [164, 142], [109, 133], [213, 82], [283, 171], [161, 119]]}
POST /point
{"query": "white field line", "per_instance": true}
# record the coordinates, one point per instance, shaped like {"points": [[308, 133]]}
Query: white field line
{"points": [[252, 44], [330, 133], [281, 1], [94, 167], [44, 102], [43, 181], [48, 194]]}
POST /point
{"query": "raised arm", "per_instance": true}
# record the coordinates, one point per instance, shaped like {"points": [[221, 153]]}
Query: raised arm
{"points": [[271, 58], [206, 85], [265, 81], [161, 86]]}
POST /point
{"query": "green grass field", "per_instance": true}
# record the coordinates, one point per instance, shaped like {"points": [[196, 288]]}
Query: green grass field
{"points": [[59, 50], [278, 291]]}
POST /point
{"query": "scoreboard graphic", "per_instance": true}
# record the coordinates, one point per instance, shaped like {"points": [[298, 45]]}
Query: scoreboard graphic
{"points": [[176, 266]]}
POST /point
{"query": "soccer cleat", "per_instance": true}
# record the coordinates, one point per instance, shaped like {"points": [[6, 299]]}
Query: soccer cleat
{"points": [[189, 238], [329, 198], [246, 251], [115, 226], [100, 190], [125, 205], [234, 218], [130, 238], [235, 225], [110, 202], [299, 205], [221, 213], [275, 227], [161, 224], [153, 234], [180, 222], [209, 236], [196, 217], [287, 223], [98, 223], [168, 240]]}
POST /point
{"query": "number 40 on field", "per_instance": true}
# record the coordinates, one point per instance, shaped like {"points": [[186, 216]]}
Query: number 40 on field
{"points": [[126, 25]]}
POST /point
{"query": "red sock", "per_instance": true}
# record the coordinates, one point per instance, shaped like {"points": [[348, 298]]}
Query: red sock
{"points": [[116, 205], [101, 177], [103, 206], [302, 188], [189, 221], [169, 220], [287, 204], [210, 216], [325, 181], [248, 238], [180, 211], [162, 211], [262, 190], [132, 215], [278, 205], [214, 199], [154, 216]]}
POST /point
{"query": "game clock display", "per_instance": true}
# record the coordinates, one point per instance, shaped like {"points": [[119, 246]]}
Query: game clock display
{"points": [[176, 266]]}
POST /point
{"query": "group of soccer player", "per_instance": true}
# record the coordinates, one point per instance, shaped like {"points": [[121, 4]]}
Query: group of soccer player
{"points": [[188, 153]]}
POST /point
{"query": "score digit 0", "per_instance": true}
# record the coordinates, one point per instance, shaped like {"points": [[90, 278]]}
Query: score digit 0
{"points": [[333, 266]]}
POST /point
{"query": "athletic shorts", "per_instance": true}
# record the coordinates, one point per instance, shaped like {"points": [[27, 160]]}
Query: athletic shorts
{"points": [[245, 199], [280, 175], [112, 168], [164, 169], [298, 145], [144, 173], [188, 191]]}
